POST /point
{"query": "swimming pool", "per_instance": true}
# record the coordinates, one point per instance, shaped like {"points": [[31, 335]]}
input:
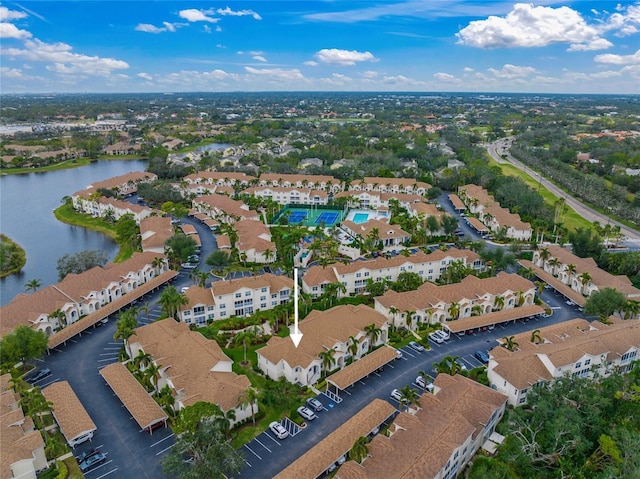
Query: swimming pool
{"points": [[360, 218]]}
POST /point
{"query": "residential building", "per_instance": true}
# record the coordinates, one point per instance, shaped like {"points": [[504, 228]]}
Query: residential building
{"points": [[576, 348], [22, 450], [438, 439], [254, 242], [289, 195], [125, 184], [121, 148], [237, 297], [224, 209], [354, 276], [323, 331], [316, 182], [90, 202], [498, 219], [76, 295], [154, 233], [471, 297], [194, 367], [391, 236], [378, 200], [390, 185], [423, 211], [207, 182], [581, 274]]}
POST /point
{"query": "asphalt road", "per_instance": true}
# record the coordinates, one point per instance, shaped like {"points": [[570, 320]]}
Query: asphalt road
{"points": [[499, 151]]}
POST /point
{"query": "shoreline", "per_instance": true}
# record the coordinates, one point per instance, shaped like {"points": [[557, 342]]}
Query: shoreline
{"points": [[21, 256], [67, 165]]}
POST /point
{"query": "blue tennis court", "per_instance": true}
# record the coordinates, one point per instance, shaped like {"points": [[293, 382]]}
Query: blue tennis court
{"points": [[297, 216], [328, 218]]}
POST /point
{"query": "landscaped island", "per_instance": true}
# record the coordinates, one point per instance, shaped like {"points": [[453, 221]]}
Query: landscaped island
{"points": [[12, 256]]}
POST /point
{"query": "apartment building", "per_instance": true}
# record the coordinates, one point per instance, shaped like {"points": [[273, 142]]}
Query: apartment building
{"points": [[125, 184], [91, 203], [224, 209], [316, 182], [354, 276], [237, 297], [390, 185], [581, 274], [332, 330], [254, 242], [577, 348], [438, 439], [452, 302], [76, 295], [154, 233], [391, 236], [195, 368], [207, 182], [378, 200], [289, 195]]}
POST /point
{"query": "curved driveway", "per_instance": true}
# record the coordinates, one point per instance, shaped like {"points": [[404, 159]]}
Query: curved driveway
{"points": [[501, 147]]}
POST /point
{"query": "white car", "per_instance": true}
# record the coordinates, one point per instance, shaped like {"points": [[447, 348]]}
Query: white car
{"points": [[306, 413], [424, 383], [395, 394], [416, 346], [436, 338], [278, 429], [443, 334], [398, 354]]}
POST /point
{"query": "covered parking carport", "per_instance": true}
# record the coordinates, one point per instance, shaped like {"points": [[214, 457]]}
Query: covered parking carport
{"points": [[75, 423], [488, 321], [358, 370], [147, 413], [123, 301], [477, 225], [322, 457], [564, 289]]}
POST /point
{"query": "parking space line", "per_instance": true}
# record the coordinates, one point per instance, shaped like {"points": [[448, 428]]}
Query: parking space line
{"points": [[105, 348], [247, 463], [345, 391], [156, 443], [100, 466], [361, 382], [256, 439], [165, 449], [107, 359], [407, 353], [106, 474], [109, 354], [252, 452], [269, 436]]}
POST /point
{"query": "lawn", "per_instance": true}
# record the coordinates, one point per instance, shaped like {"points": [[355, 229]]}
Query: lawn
{"points": [[572, 220]]}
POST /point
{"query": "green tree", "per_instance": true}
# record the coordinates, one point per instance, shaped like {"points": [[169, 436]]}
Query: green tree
{"points": [[21, 345], [327, 358], [376, 288], [449, 225], [359, 450], [407, 281], [181, 246], [190, 416], [448, 365], [171, 300], [373, 332], [128, 231], [249, 398], [210, 454], [510, 343], [32, 285], [248, 335], [605, 302], [80, 262], [408, 397], [218, 258], [586, 243]]}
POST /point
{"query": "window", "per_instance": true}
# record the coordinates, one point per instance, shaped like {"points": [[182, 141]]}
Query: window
{"points": [[238, 295], [263, 305], [247, 293], [358, 275], [222, 306], [522, 400], [223, 314], [186, 313], [198, 310], [263, 298], [263, 290], [587, 362], [578, 364], [210, 308]]}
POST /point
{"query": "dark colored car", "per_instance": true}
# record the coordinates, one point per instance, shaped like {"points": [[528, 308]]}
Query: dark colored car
{"points": [[86, 455], [314, 404], [482, 356], [92, 460], [43, 373]]}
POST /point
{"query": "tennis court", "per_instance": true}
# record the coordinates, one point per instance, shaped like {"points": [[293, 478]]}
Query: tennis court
{"points": [[309, 216]]}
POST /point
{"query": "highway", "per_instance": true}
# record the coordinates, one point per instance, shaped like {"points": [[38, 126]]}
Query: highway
{"points": [[499, 151]]}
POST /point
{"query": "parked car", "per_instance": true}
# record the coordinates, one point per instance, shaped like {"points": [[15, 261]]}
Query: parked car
{"points": [[443, 334], [570, 303], [314, 404], [398, 354], [189, 265], [92, 461], [306, 413], [482, 356], [86, 454], [436, 338], [416, 346], [102, 321], [461, 364], [424, 383], [43, 373], [278, 429], [194, 258], [395, 394]]}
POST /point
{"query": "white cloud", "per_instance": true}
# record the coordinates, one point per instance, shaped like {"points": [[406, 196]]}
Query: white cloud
{"points": [[597, 44], [7, 72], [444, 76], [335, 56], [529, 26], [370, 74], [220, 45], [195, 15], [9, 30], [337, 79], [148, 28], [468, 69], [259, 58], [311, 63], [238, 13], [625, 21], [63, 60], [606, 74], [512, 71], [402, 81], [6, 14], [146, 76], [206, 29], [619, 59], [276, 73]]}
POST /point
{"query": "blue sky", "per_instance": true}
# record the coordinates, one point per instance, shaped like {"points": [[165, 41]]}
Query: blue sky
{"points": [[413, 45]]}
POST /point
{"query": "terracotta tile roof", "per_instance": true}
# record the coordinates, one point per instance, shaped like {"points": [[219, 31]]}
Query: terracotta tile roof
{"points": [[155, 231], [385, 230], [363, 367], [26, 308], [505, 218], [214, 176], [272, 281], [222, 203], [134, 397], [276, 177], [18, 441], [318, 459], [71, 416], [317, 275], [223, 241], [566, 290], [493, 318], [90, 319], [524, 367], [253, 234], [278, 189], [421, 444], [119, 181], [428, 209], [321, 329], [476, 224], [457, 202], [196, 365]]}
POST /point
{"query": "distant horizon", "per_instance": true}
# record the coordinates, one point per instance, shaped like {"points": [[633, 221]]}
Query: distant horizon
{"points": [[440, 46]]}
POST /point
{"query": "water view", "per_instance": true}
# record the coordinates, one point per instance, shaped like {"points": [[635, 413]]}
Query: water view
{"points": [[26, 216]]}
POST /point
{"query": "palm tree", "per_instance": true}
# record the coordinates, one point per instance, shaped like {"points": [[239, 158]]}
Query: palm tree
{"points": [[244, 336], [408, 397], [269, 255], [572, 270], [535, 336], [631, 308], [584, 278], [32, 285], [249, 398], [520, 298], [166, 400], [454, 310], [498, 303], [171, 300], [393, 311], [353, 346], [425, 376], [373, 332], [150, 375], [476, 310], [157, 264], [327, 358], [142, 360], [448, 365], [408, 315], [359, 451], [554, 263], [510, 343], [146, 307], [545, 254], [60, 316], [529, 272]]}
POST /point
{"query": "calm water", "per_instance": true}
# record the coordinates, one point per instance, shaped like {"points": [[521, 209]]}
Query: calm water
{"points": [[26, 216]]}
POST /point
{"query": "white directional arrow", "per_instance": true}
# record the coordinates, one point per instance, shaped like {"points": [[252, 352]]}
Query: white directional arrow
{"points": [[295, 334]]}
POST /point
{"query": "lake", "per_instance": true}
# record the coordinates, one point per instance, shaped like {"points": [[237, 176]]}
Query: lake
{"points": [[26, 216]]}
